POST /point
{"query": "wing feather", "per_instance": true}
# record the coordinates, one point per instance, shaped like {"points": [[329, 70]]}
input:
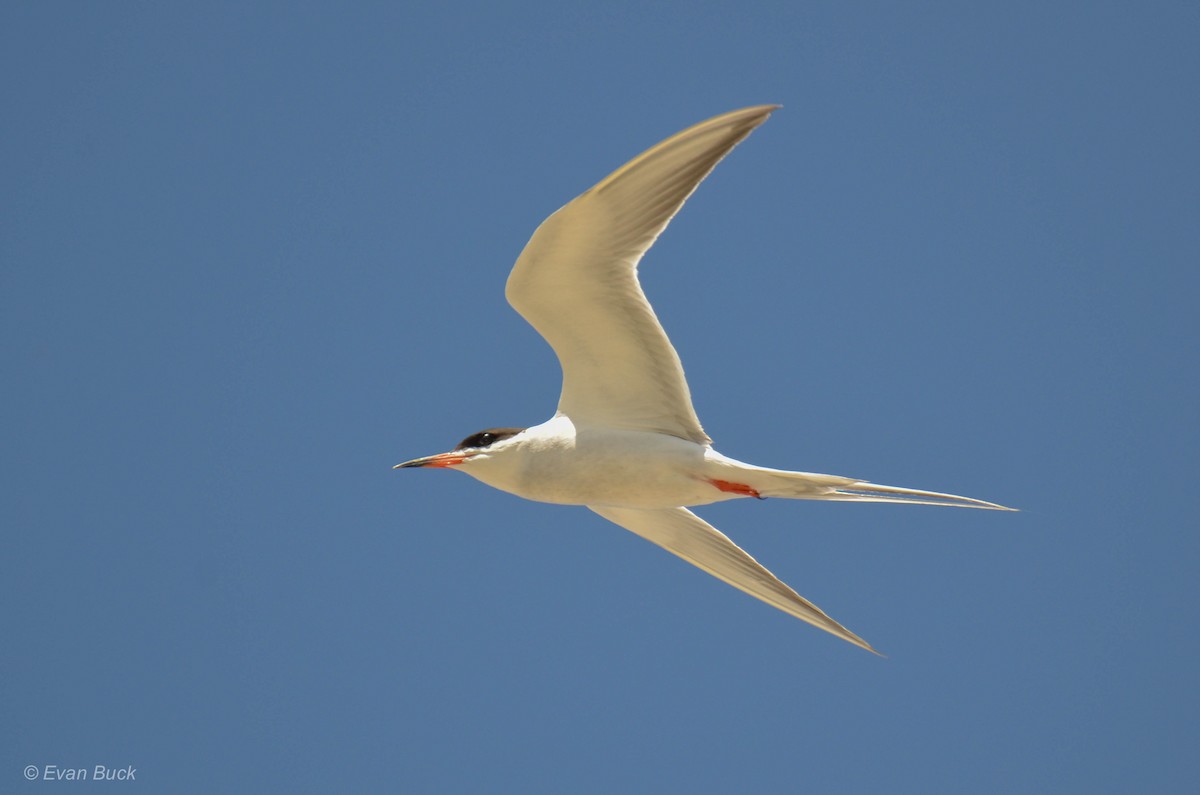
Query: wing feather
{"points": [[576, 284], [685, 534]]}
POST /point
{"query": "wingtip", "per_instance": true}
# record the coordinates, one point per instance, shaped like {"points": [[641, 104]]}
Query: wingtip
{"points": [[859, 642], [756, 110]]}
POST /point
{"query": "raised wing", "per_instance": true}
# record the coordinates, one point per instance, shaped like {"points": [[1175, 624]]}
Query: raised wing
{"points": [[685, 534], [576, 283]]}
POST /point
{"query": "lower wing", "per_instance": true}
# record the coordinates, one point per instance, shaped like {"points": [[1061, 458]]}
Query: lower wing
{"points": [[682, 533]]}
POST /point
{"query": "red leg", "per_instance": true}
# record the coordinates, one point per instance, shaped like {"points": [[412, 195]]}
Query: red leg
{"points": [[736, 488]]}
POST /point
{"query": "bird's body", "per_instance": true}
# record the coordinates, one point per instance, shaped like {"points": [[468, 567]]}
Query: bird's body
{"points": [[625, 440], [559, 463]]}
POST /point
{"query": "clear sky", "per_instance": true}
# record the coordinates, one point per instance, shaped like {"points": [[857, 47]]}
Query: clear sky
{"points": [[253, 254]]}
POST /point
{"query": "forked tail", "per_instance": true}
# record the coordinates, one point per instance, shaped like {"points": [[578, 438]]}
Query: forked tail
{"points": [[813, 486], [862, 491]]}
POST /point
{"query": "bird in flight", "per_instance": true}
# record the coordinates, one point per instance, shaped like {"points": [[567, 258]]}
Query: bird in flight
{"points": [[625, 440]]}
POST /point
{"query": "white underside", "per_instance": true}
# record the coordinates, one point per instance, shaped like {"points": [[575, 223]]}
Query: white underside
{"points": [[559, 463]]}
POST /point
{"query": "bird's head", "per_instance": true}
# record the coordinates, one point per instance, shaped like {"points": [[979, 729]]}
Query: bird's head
{"points": [[474, 445]]}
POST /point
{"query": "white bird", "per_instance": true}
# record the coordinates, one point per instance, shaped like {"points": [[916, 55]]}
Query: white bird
{"points": [[625, 440]]}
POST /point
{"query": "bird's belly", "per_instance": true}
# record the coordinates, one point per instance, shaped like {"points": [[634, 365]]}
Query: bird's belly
{"points": [[632, 471], [626, 483]]}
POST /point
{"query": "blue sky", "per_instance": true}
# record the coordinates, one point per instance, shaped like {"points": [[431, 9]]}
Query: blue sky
{"points": [[254, 254]]}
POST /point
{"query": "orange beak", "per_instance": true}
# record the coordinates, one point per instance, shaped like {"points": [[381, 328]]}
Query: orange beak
{"points": [[439, 461]]}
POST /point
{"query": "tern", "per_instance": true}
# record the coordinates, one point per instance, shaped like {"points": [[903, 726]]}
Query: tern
{"points": [[625, 441]]}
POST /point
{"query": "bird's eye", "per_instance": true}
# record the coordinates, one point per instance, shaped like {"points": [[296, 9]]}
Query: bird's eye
{"points": [[487, 438], [481, 439]]}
